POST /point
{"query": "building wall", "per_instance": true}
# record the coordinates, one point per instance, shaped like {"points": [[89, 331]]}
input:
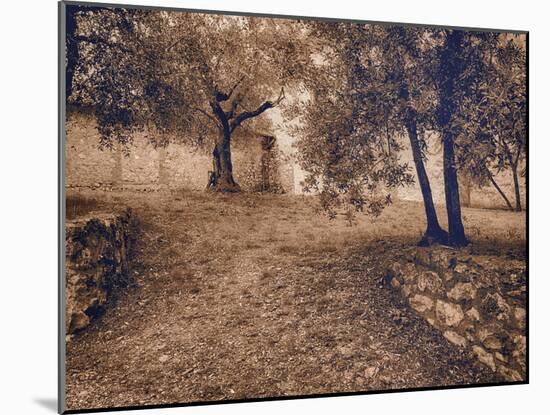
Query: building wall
{"points": [[175, 166], [182, 166]]}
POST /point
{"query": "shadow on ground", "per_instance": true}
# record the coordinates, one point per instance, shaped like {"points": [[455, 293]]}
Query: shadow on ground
{"points": [[260, 296]]}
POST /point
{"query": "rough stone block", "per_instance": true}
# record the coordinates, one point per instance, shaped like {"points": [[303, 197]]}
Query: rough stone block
{"points": [[485, 357], [448, 314], [429, 281], [455, 338], [462, 291], [421, 303], [473, 314], [493, 306], [520, 316]]}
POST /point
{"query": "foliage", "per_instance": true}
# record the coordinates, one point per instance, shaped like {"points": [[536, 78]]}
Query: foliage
{"points": [[173, 72], [354, 90], [497, 113], [349, 126]]}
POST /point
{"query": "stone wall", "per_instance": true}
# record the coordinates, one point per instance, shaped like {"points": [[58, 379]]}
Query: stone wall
{"points": [[477, 302], [96, 264], [176, 166]]}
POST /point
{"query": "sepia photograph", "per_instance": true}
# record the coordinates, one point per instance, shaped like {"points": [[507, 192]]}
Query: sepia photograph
{"points": [[262, 207]]}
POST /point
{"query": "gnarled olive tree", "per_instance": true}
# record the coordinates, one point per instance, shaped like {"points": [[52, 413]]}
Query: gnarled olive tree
{"points": [[197, 77]]}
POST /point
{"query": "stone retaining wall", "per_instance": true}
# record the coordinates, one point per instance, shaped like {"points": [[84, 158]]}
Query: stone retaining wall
{"points": [[477, 302], [96, 264]]}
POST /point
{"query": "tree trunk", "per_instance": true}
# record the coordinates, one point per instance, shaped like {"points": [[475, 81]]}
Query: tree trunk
{"points": [[434, 233], [451, 67], [222, 179], [452, 193], [465, 187], [216, 168], [516, 188], [499, 190]]}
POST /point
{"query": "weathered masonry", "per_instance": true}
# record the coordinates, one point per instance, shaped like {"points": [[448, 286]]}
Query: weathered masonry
{"points": [[97, 264], [258, 164], [478, 302]]}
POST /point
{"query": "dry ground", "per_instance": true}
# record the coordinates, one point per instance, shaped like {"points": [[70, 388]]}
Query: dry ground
{"points": [[247, 296]]}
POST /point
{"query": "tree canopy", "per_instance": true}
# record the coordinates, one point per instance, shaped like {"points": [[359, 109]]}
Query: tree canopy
{"points": [[355, 91], [494, 137], [196, 77], [397, 81], [347, 145]]}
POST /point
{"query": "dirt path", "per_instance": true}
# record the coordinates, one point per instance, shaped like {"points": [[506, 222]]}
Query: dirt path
{"points": [[244, 314]]}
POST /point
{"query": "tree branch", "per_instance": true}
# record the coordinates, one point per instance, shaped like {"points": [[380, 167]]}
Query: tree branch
{"points": [[235, 86], [499, 190], [222, 96], [518, 154], [175, 43], [203, 112], [236, 101], [222, 117], [281, 96], [243, 116]]}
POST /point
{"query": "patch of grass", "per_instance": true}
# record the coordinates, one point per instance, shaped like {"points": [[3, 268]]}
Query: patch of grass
{"points": [[252, 245], [288, 249], [217, 226]]}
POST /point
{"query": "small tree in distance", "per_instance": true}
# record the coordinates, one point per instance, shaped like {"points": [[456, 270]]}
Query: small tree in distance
{"points": [[497, 118]]}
